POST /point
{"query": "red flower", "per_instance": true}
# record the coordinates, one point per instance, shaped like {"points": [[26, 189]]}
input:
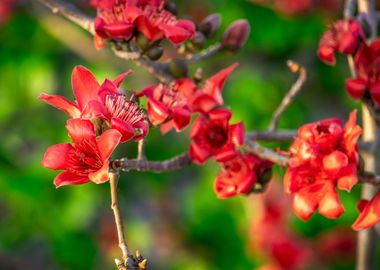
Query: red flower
{"points": [[157, 23], [238, 175], [170, 105], [212, 135], [5, 11], [117, 20], [369, 213], [367, 65], [323, 156], [210, 95], [84, 161], [344, 36], [102, 101]]}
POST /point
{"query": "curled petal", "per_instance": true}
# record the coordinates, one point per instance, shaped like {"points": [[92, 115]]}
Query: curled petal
{"points": [[356, 88], [198, 153], [80, 130], [329, 205], [348, 178], [85, 86], [121, 78], [226, 153], [157, 112], [335, 161], [61, 103], [305, 201], [181, 118], [67, 178], [101, 175], [144, 128], [126, 130], [56, 157], [107, 143], [369, 215], [326, 54], [236, 134]]}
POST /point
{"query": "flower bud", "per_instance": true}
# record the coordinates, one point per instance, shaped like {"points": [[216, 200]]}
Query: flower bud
{"points": [[155, 53], [171, 7], [236, 35], [197, 42], [142, 42], [178, 68], [210, 25], [266, 176]]}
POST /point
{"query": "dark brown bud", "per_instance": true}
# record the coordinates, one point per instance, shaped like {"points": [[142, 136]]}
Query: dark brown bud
{"points": [[155, 53], [171, 7], [236, 35], [178, 68], [197, 42], [143, 42], [266, 176], [210, 25]]}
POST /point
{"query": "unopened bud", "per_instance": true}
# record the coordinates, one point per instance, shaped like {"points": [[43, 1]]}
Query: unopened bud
{"points": [[236, 35], [143, 42], [178, 68], [171, 7], [266, 176], [210, 25], [197, 42], [155, 53]]}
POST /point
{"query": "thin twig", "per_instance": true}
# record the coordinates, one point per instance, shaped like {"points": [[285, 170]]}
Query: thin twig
{"points": [[141, 150], [349, 8], [174, 163], [114, 178], [70, 12], [289, 97], [266, 153], [272, 136], [210, 51]]}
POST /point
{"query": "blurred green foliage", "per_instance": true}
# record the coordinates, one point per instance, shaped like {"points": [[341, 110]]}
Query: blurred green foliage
{"points": [[173, 218]]}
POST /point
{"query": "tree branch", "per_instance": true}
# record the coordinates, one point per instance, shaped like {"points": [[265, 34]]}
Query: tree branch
{"points": [[289, 97], [210, 51], [172, 164], [272, 136]]}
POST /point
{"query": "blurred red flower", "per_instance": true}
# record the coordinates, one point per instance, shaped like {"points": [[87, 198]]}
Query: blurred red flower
{"points": [[344, 36], [369, 213], [239, 174], [118, 20], [212, 135], [367, 65], [323, 156], [84, 161]]}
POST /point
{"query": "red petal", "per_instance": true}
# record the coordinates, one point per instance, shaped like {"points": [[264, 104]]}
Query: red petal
{"points": [[157, 112], [68, 178], [80, 130], [107, 143], [98, 42], [61, 103], [329, 205], [203, 103], [126, 129], [56, 156], [197, 126], [107, 88], [236, 134], [119, 30], [214, 85], [181, 118], [85, 86], [356, 88], [305, 202], [144, 127], [326, 54], [198, 153], [101, 175], [121, 78], [175, 34], [370, 214], [94, 109], [348, 178], [335, 162], [220, 114], [374, 90], [226, 153]]}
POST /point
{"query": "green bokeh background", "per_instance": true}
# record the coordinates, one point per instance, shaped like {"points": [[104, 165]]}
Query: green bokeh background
{"points": [[174, 218]]}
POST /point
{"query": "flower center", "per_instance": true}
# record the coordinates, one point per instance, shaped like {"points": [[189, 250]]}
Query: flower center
{"points": [[84, 158], [215, 136], [120, 107]]}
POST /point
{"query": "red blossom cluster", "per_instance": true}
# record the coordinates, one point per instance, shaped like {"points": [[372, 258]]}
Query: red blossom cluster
{"points": [[101, 111], [324, 157], [347, 37], [121, 20]]}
